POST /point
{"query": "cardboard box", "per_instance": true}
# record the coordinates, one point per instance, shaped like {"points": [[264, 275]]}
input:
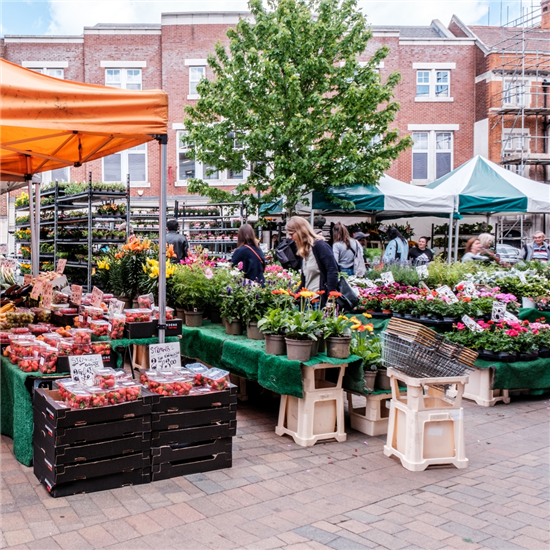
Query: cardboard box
{"points": [[103, 483], [168, 470], [65, 473], [178, 453], [166, 404], [187, 419], [193, 435], [60, 416]]}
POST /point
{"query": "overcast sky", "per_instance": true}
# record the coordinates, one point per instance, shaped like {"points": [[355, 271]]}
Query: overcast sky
{"points": [[70, 16]]}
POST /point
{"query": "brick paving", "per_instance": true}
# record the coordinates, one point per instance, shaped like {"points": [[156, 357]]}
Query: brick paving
{"points": [[340, 496]]}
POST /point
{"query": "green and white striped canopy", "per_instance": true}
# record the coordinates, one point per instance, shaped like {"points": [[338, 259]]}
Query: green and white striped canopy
{"points": [[483, 187]]}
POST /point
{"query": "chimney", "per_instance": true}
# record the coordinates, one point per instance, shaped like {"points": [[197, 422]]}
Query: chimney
{"points": [[545, 14]]}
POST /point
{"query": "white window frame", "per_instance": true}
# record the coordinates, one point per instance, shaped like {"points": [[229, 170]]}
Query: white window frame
{"points": [[124, 168], [432, 97], [124, 81], [193, 94], [51, 71], [432, 153], [47, 177], [521, 141], [182, 149], [515, 94]]}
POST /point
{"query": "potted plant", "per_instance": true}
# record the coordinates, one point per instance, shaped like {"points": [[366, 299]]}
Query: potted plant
{"points": [[273, 325], [368, 347], [191, 291], [232, 307], [299, 335], [337, 329]]}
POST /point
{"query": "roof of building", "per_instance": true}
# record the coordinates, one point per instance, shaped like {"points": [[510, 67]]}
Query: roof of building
{"points": [[130, 25], [505, 38], [410, 32]]}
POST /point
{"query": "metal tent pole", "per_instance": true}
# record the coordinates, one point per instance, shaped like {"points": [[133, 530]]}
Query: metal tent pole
{"points": [[456, 239], [36, 258], [163, 143], [34, 251], [450, 243]]}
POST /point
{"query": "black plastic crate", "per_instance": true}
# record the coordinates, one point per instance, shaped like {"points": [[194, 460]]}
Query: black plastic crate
{"points": [[168, 404], [65, 473], [60, 416], [209, 463], [103, 483], [177, 453], [198, 417], [139, 330], [193, 435]]}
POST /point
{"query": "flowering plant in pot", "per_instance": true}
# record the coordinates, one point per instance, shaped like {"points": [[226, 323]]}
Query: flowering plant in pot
{"points": [[369, 348], [190, 288], [337, 329], [299, 335], [273, 325], [256, 303], [232, 306]]}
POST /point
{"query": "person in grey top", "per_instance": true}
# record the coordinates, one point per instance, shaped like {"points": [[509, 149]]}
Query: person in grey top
{"points": [[473, 248], [345, 249], [397, 249]]}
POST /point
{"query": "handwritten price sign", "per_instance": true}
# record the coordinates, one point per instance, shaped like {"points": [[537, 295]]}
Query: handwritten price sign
{"points": [[47, 295], [387, 278], [37, 289], [76, 294], [164, 356], [83, 367], [448, 293], [97, 297], [27, 279], [61, 266]]}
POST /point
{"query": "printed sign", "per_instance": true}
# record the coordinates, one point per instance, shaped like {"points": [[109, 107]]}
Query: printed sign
{"points": [[164, 356], [369, 283], [83, 367], [471, 324], [47, 295], [422, 271], [76, 294], [37, 289], [510, 317], [61, 266], [115, 306], [448, 293], [27, 279], [97, 297], [469, 289], [387, 278], [522, 278], [499, 311]]}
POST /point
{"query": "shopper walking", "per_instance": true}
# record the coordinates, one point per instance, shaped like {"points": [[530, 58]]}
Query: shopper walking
{"points": [[398, 247], [472, 251], [348, 253], [421, 254], [537, 250], [486, 240], [250, 254], [319, 268], [179, 242]]}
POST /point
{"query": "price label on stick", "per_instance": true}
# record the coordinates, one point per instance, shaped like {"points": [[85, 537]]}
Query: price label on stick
{"points": [[27, 279], [37, 289], [522, 278], [164, 356], [115, 306], [422, 271], [76, 294], [445, 291], [468, 289], [471, 324], [61, 266], [510, 317], [370, 284], [387, 278], [97, 297], [47, 295], [83, 367], [499, 311]]}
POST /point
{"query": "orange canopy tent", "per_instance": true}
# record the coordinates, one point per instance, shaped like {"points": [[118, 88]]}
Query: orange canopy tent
{"points": [[48, 123]]}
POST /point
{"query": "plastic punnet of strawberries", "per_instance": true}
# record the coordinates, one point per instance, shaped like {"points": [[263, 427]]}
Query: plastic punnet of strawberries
{"points": [[100, 328], [117, 326], [198, 370], [78, 398], [217, 379], [104, 378]]}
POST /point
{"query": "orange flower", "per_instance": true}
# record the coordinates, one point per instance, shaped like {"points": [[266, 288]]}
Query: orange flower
{"points": [[170, 251], [334, 294]]}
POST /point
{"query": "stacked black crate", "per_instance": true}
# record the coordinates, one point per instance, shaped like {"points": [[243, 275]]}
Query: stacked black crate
{"points": [[192, 433], [86, 450]]}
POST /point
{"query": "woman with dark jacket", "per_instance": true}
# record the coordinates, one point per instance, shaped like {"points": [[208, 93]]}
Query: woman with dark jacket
{"points": [[249, 254], [319, 268]]}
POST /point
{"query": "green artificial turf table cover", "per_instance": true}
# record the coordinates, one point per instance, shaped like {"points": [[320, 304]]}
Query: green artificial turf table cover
{"points": [[248, 359], [531, 315]]}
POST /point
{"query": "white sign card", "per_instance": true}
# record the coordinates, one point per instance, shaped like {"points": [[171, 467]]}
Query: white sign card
{"points": [[83, 368], [522, 278], [448, 293], [422, 271], [499, 311], [471, 324], [510, 317], [370, 284], [387, 278], [468, 289], [115, 306], [164, 356]]}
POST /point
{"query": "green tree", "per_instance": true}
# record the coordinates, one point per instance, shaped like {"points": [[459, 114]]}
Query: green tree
{"points": [[291, 103]]}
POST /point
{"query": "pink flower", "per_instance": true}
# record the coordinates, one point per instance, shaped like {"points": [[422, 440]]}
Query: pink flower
{"points": [[240, 266], [208, 273], [460, 326], [513, 333]]}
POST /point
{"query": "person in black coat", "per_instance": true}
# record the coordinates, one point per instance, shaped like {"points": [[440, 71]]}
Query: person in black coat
{"points": [[319, 268], [249, 254]]}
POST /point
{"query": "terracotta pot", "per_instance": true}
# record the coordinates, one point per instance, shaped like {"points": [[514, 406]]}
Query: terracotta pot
{"points": [[386, 311], [275, 344], [383, 380], [127, 301], [370, 379], [180, 313], [193, 318], [235, 328], [338, 346], [215, 316], [298, 350], [253, 333], [314, 347]]}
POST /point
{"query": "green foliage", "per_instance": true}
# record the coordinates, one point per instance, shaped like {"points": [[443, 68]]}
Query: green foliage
{"points": [[191, 287], [300, 326], [273, 322], [369, 348], [290, 102], [441, 273]]}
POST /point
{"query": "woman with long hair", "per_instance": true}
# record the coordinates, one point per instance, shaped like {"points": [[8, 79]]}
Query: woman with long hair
{"points": [[472, 251], [319, 268], [346, 250], [249, 254], [398, 247]]}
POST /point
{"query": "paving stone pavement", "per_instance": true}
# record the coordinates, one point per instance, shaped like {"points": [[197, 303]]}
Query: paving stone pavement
{"points": [[340, 496]]}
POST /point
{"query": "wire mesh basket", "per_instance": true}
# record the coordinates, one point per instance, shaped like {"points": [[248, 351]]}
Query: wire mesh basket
{"points": [[439, 359]]}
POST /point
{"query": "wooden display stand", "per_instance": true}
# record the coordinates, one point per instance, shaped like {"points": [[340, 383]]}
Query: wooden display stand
{"points": [[479, 389], [319, 414], [425, 427], [140, 357], [372, 418]]}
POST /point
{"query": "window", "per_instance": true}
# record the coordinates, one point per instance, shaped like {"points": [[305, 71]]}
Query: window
{"points": [[186, 165], [514, 143], [213, 176], [128, 79], [57, 73], [513, 92], [60, 175], [432, 155], [131, 162], [433, 85], [196, 74]]}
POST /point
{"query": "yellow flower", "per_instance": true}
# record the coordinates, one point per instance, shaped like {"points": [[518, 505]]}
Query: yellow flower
{"points": [[103, 264], [367, 315], [369, 327]]}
